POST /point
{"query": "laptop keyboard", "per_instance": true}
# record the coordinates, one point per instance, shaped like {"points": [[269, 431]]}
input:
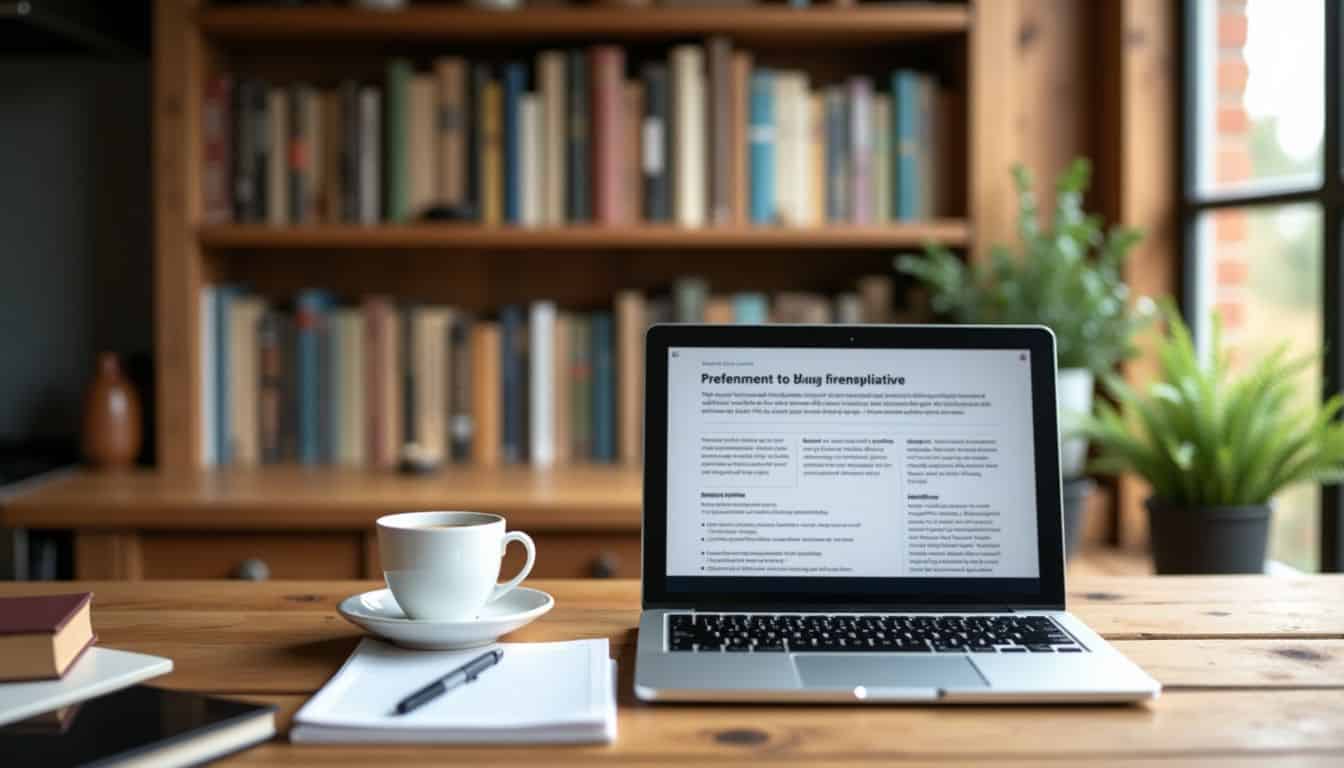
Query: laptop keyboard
{"points": [[783, 633]]}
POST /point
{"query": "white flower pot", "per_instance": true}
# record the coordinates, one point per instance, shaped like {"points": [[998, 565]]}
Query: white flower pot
{"points": [[1073, 387]]}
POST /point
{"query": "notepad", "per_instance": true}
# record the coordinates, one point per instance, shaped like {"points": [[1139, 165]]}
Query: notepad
{"points": [[538, 693]]}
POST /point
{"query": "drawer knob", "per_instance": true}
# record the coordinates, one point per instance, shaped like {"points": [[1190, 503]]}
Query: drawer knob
{"points": [[604, 566], [253, 569]]}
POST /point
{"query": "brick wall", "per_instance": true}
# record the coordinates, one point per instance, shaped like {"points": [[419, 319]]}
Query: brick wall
{"points": [[1232, 164]]}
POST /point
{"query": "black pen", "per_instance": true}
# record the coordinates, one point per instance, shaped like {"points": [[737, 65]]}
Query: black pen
{"points": [[464, 674]]}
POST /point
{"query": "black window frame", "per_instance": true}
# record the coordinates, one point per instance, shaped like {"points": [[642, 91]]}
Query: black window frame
{"points": [[1328, 194]]}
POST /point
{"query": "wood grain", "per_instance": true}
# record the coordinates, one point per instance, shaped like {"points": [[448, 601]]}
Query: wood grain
{"points": [[751, 25], [445, 237], [591, 498], [994, 135], [1265, 691]]}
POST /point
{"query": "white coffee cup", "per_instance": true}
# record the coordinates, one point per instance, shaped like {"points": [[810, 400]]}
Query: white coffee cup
{"points": [[443, 566]]}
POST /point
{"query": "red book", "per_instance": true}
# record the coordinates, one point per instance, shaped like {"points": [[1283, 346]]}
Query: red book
{"points": [[611, 199], [217, 122], [40, 637]]}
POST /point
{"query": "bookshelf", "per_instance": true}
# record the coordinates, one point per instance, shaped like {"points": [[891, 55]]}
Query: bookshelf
{"points": [[971, 45]]}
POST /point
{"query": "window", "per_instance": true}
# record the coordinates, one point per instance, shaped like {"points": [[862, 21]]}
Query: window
{"points": [[1263, 202]]}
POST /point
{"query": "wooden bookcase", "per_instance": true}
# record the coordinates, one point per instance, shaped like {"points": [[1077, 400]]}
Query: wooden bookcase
{"points": [[971, 45]]}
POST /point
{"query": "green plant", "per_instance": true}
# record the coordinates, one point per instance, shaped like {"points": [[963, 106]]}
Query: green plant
{"points": [[1203, 437], [1055, 281]]}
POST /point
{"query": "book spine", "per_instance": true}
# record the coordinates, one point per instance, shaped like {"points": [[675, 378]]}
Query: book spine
{"points": [[631, 322], [245, 149], [370, 155], [332, 199], [491, 155], [688, 105], [739, 158], [260, 131], [209, 387], [581, 387], [451, 76], [297, 156], [314, 171], [578, 200], [224, 297], [905, 140], [881, 180], [408, 415], [926, 136], [720, 130], [243, 426], [786, 173], [861, 150], [277, 172], [836, 159], [216, 124], [328, 390], [551, 73], [461, 424], [530, 149], [309, 309], [689, 295], [541, 383], [397, 104], [374, 311], [761, 134], [486, 344], [817, 161], [562, 384], [800, 148], [750, 308], [632, 129], [353, 397], [511, 330], [604, 417], [270, 393], [608, 63], [350, 143], [474, 123], [515, 84], [653, 157], [421, 145]]}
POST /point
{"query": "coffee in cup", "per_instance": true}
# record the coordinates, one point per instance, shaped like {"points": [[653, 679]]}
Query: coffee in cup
{"points": [[443, 566]]}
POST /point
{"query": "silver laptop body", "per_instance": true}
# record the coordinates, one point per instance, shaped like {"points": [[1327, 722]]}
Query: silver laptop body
{"points": [[859, 514]]}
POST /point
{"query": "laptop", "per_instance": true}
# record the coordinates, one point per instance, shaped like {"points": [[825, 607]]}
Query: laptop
{"points": [[859, 514]]}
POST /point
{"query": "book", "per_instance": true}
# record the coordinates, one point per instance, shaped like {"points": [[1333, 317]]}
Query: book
{"points": [[277, 160], [861, 150], [578, 165], [41, 636], [739, 162], [906, 173], [244, 423], [383, 407], [541, 383], [217, 164], [250, 138], [816, 142], [333, 165], [296, 154], [688, 153], [881, 161], [421, 145], [224, 296], [530, 148], [552, 129], [604, 389], [631, 322], [790, 120], [876, 298], [847, 308], [514, 85], [632, 175], [689, 295], [926, 144], [837, 156], [607, 64], [99, 671], [761, 138], [654, 147], [351, 172], [312, 173], [357, 704], [461, 420], [750, 308], [143, 726], [450, 74], [719, 155], [310, 308], [428, 347], [512, 361], [271, 385], [370, 163], [396, 138], [209, 381], [581, 387], [475, 124], [351, 440], [561, 381], [485, 394], [718, 310], [492, 154]]}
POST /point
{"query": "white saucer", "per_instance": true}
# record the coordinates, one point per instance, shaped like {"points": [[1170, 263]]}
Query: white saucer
{"points": [[378, 612]]}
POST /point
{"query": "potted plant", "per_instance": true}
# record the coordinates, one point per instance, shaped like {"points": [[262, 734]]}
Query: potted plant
{"points": [[1215, 447], [1067, 276]]}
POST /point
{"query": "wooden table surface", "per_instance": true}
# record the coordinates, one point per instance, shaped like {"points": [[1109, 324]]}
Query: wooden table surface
{"points": [[1253, 671]]}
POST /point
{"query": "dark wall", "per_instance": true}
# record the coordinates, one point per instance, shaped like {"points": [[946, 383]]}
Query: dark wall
{"points": [[76, 269]]}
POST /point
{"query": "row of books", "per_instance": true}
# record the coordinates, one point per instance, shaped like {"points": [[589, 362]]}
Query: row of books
{"points": [[313, 381], [704, 138]]}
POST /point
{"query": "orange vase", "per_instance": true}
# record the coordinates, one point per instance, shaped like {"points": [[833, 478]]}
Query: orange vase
{"points": [[112, 430]]}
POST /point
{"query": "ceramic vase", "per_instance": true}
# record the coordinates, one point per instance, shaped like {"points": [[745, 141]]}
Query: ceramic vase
{"points": [[112, 427]]}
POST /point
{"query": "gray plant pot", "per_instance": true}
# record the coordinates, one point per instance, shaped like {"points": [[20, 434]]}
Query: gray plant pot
{"points": [[1208, 539], [1076, 492]]}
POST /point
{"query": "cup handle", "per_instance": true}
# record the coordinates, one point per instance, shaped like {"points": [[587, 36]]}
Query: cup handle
{"points": [[507, 587]]}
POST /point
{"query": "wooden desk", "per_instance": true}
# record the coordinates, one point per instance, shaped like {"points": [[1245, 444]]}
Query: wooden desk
{"points": [[1253, 669]]}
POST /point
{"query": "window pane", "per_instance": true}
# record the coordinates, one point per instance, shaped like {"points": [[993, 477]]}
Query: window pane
{"points": [[1260, 90], [1260, 268]]}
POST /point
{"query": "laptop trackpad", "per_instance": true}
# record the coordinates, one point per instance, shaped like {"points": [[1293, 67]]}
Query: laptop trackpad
{"points": [[851, 670]]}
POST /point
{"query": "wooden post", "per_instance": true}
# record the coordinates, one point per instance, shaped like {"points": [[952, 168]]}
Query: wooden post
{"points": [[993, 133]]}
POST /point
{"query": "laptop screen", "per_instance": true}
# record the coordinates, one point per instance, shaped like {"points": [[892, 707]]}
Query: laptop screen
{"points": [[817, 463]]}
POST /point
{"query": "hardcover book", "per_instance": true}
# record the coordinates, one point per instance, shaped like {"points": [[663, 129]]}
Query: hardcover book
{"points": [[653, 157], [688, 154], [578, 165], [604, 389], [396, 139], [551, 97], [761, 135], [514, 87], [40, 637], [609, 194], [486, 347], [450, 72]]}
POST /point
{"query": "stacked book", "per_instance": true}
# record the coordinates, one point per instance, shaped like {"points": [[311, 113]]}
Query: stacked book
{"points": [[319, 382], [703, 137]]}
